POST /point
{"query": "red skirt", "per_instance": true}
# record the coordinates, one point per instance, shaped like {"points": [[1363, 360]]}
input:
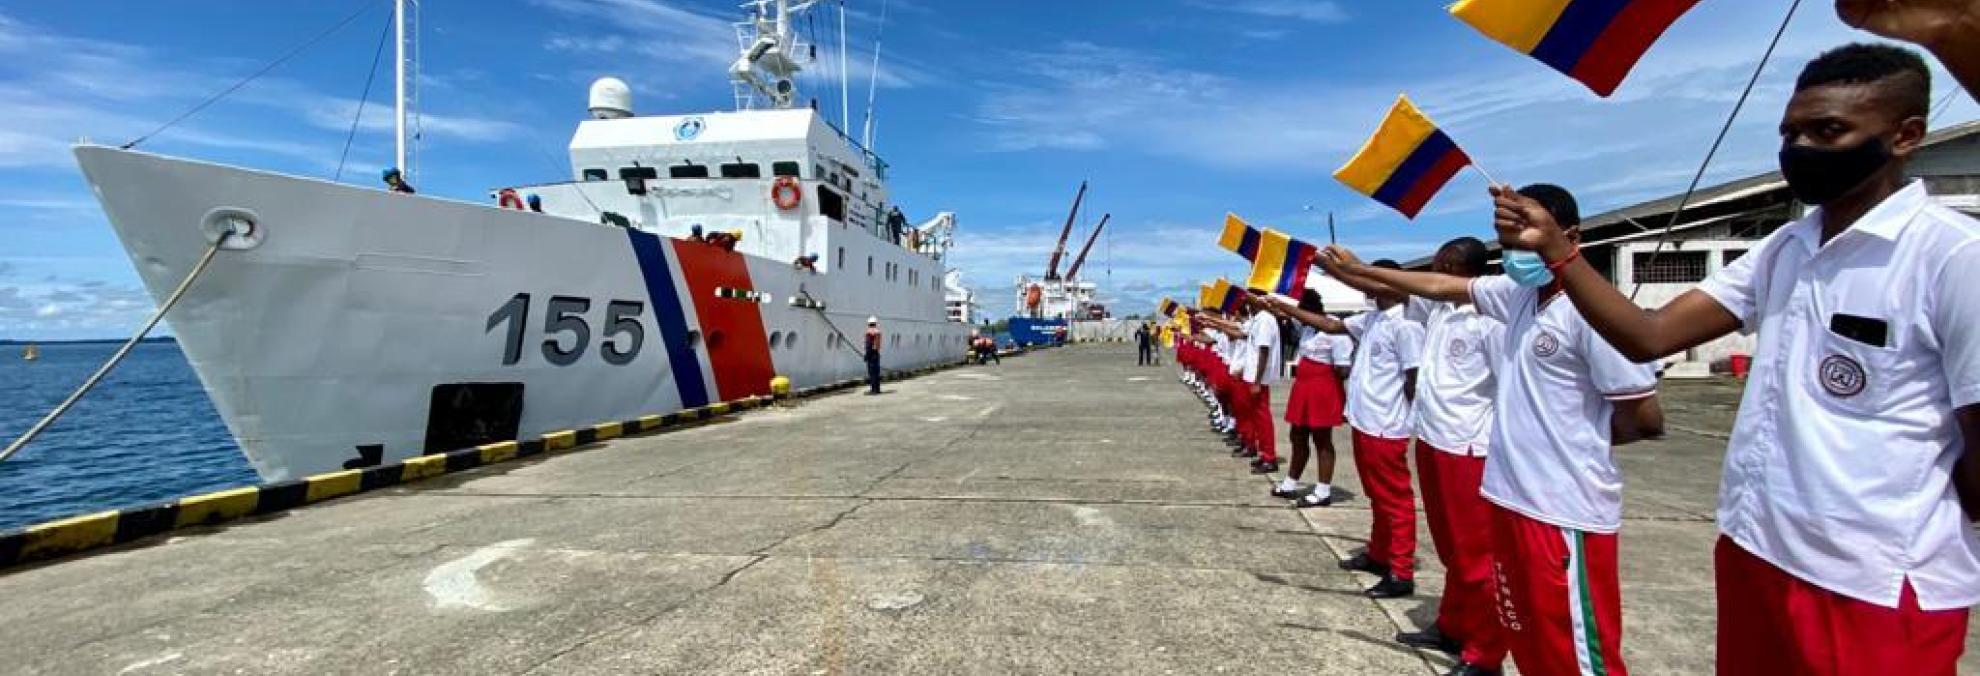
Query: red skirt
{"points": [[1316, 400]]}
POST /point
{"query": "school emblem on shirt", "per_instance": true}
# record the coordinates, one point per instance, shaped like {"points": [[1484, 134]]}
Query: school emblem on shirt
{"points": [[1546, 345], [1842, 376], [1457, 349]]}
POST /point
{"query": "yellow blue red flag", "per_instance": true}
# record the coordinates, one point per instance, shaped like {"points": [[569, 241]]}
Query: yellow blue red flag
{"points": [[1239, 237], [1594, 41], [1169, 308], [1203, 298], [1281, 263], [1406, 162], [1223, 297]]}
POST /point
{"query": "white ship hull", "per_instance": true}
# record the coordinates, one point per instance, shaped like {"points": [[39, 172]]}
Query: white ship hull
{"points": [[352, 306]]}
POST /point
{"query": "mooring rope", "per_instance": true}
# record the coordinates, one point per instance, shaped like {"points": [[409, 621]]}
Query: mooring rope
{"points": [[94, 378]]}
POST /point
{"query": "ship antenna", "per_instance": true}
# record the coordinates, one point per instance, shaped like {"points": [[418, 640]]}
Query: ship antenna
{"points": [[845, 104], [873, 84], [399, 86]]}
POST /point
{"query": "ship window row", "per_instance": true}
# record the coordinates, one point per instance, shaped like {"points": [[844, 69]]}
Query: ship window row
{"points": [[688, 169]]}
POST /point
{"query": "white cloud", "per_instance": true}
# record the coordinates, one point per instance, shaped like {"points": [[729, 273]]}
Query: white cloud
{"points": [[56, 89], [1319, 11]]}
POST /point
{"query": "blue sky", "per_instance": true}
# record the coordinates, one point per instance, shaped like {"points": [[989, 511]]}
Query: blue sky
{"points": [[1176, 110]]}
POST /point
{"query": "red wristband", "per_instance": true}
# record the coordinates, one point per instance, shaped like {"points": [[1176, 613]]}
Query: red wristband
{"points": [[1557, 266]]}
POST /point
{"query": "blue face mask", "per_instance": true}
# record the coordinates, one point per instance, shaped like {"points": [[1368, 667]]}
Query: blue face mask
{"points": [[1527, 269]]}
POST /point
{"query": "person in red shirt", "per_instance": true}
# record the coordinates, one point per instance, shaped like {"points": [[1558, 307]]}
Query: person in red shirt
{"points": [[873, 355]]}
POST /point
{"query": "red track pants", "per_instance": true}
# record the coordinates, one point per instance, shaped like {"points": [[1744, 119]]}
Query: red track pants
{"points": [[1383, 465], [1461, 527], [1771, 622], [1259, 412], [1559, 599]]}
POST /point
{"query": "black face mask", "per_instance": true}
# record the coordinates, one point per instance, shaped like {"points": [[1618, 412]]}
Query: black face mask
{"points": [[1819, 176]]}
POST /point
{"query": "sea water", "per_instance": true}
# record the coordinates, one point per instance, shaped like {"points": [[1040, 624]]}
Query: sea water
{"points": [[146, 434]]}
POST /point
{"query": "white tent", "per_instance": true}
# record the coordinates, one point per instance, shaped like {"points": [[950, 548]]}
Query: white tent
{"points": [[1337, 297]]}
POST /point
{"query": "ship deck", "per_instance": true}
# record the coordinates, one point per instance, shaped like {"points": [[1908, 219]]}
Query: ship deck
{"points": [[1065, 512]]}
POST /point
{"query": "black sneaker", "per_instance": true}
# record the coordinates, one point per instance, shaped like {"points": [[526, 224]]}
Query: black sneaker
{"points": [[1469, 669], [1362, 563], [1433, 639], [1264, 467], [1284, 494], [1391, 588], [1309, 502]]}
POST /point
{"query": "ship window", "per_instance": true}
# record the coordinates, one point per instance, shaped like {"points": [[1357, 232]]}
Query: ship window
{"points": [[595, 175], [818, 171], [791, 169], [869, 266], [742, 170], [774, 337], [831, 205], [688, 171], [842, 259], [636, 178]]}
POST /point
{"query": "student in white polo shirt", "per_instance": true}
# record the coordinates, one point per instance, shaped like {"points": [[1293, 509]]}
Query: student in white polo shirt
{"points": [[1380, 388], [1453, 432], [1844, 548], [1262, 370], [1564, 398]]}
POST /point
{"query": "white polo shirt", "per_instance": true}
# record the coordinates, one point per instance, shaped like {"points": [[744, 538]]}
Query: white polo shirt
{"points": [[1239, 354], [1456, 383], [1839, 469], [1551, 458], [1325, 348], [1220, 345], [1387, 347], [1262, 330]]}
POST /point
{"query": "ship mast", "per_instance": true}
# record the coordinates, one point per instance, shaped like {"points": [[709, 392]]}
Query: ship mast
{"points": [[772, 60], [399, 86]]}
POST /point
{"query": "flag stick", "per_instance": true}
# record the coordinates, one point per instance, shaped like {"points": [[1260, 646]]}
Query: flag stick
{"points": [[1488, 175], [1331, 239]]}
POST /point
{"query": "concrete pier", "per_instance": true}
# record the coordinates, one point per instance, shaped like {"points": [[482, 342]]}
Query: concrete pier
{"points": [[1065, 512]]}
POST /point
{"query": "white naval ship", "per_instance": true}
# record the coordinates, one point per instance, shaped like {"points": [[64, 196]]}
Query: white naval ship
{"points": [[337, 321]]}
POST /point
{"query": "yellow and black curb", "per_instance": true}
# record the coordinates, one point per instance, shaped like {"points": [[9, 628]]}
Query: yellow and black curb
{"points": [[86, 532]]}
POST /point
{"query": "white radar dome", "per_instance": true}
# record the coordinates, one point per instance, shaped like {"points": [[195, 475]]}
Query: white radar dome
{"points": [[611, 99]]}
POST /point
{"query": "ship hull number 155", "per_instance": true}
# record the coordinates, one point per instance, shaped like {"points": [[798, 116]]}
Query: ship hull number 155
{"points": [[567, 332]]}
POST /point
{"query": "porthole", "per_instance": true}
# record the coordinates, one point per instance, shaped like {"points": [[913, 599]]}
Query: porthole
{"points": [[790, 340], [693, 339], [775, 336]]}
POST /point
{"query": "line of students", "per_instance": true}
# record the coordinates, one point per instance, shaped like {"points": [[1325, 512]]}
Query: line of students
{"points": [[1848, 492]]}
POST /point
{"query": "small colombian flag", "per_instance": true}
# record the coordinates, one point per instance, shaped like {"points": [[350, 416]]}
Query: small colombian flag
{"points": [[1223, 297], [1281, 264], [1594, 41], [1406, 162], [1239, 237], [1169, 308]]}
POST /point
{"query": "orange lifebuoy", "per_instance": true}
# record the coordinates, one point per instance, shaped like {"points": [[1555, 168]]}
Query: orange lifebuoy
{"points": [[786, 193], [508, 199], [1032, 296]]}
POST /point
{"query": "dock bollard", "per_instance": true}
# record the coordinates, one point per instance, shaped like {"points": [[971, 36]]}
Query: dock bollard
{"points": [[780, 388]]}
